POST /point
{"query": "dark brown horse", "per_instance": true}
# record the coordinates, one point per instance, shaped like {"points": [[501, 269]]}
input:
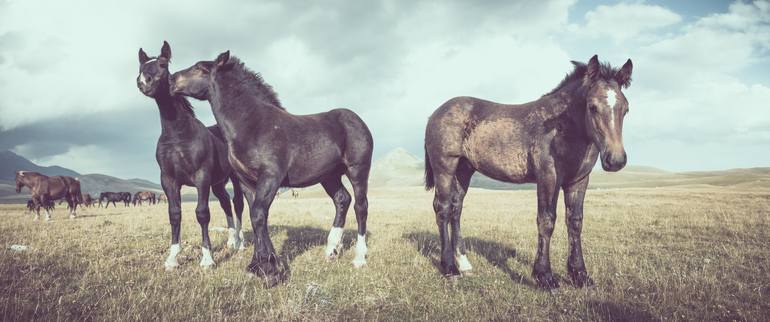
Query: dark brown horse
{"points": [[270, 148], [553, 141], [88, 201], [46, 189], [143, 196], [189, 154]]}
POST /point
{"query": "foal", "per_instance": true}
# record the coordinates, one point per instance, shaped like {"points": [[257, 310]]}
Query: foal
{"points": [[554, 141], [189, 154], [270, 148]]}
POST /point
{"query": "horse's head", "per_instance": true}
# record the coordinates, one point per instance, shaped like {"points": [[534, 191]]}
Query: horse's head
{"points": [[153, 72], [195, 80], [606, 106], [20, 181]]}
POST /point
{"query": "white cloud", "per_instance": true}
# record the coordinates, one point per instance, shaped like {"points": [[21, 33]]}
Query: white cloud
{"points": [[625, 21]]}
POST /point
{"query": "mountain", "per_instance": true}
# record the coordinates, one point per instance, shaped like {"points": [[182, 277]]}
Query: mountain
{"points": [[397, 168], [401, 168], [11, 162]]}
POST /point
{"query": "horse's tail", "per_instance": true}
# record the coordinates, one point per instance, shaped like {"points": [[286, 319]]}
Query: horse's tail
{"points": [[429, 183]]}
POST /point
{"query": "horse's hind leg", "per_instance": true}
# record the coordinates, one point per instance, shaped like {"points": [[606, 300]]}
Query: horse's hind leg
{"points": [[341, 199], [233, 240], [359, 179], [460, 188], [444, 169], [238, 205]]}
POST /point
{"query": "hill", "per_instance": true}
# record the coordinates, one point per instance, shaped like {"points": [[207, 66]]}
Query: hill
{"points": [[95, 183], [401, 168]]}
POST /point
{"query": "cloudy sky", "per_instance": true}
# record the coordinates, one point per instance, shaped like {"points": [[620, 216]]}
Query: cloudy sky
{"points": [[700, 98]]}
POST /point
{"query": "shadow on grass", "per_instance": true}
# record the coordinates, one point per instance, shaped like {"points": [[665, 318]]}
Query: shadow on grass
{"points": [[300, 240], [495, 253], [608, 311]]}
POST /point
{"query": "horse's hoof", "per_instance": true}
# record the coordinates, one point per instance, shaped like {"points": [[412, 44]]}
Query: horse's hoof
{"points": [[272, 280], [581, 279], [546, 281], [333, 256], [359, 263], [207, 266]]}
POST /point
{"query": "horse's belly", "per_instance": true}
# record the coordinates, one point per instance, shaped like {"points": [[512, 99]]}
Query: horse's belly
{"points": [[495, 149]]}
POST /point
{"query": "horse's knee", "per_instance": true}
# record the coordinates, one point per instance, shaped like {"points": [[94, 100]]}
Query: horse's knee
{"points": [[342, 198], [546, 222], [175, 215]]}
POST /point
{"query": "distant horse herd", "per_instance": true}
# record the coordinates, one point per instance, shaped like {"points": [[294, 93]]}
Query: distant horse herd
{"points": [[259, 147], [46, 190]]}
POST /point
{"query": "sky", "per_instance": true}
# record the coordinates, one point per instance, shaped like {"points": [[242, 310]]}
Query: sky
{"points": [[699, 100]]}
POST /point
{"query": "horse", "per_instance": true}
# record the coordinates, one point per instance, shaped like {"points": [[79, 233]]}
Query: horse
{"points": [[554, 142], [271, 148], [88, 201], [46, 189], [113, 197], [31, 206], [143, 195], [189, 154], [162, 198]]}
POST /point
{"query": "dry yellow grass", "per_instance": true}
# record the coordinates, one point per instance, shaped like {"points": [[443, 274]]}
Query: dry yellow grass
{"points": [[656, 254]]}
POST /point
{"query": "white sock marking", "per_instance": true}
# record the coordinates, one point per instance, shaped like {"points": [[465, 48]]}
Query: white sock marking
{"points": [[206, 259], [47, 215], [333, 243], [171, 262], [462, 263], [361, 250]]}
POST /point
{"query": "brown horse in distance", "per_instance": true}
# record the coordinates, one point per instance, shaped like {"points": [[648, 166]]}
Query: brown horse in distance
{"points": [[554, 141], [144, 195], [46, 189]]}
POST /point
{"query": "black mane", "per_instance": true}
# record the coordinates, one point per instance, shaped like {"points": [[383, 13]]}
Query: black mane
{"points": [[606, 72], [258, 86], [184, 104]]}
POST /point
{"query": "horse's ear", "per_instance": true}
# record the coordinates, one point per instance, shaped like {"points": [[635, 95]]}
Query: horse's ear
{"points": [[222, 58], [623, 76], [165, 51], [593, 67], [143, 58]]}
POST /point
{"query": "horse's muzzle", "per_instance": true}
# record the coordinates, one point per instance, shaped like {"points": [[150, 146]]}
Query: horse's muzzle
{"points": [[613, 162]]}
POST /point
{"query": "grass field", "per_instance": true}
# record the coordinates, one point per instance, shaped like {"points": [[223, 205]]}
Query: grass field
{"points": [[697, 253]]}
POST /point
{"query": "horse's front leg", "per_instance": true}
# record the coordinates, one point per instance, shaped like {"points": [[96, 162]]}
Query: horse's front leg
{"points": [[264, 261], [547, 196], [171, 188], [203, 216], [574, 195]]}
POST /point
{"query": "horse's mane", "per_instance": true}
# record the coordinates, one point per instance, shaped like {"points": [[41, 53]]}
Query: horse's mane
{"points": [[254, 82], [606, 72], [183, 103]]}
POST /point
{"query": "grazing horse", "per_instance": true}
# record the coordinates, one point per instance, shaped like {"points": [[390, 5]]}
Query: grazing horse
{"points": [[113, 197], [143, 195], [553, 142], [46, 189], [189, 154], [162, 198], [270, 148], [88, 201]]}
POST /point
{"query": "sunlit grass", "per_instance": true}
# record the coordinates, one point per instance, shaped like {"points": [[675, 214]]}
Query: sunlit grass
{"points": [[668, 254]]}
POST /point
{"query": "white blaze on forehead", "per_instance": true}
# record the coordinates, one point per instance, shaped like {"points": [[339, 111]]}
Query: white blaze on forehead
{"points": [[141, 79], [611, 97]]}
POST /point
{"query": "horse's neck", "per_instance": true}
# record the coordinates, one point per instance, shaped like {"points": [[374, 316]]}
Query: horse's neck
{"points": [[568, 104], [255, 111], [175, 121]]}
